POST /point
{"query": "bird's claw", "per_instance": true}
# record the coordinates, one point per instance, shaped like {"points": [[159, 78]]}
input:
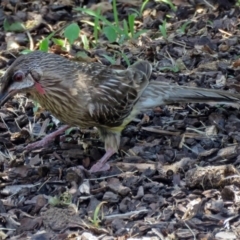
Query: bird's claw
{"points": [[47, 139], [99, 167], [39, 144]]}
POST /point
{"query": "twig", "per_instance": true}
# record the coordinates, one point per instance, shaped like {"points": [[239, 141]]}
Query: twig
{"points": [[124, 215], [5, 124], [115, 175], [190, 149], [210, 5], [196, 130], [44, 183], [161, 237], [31, 46], [194, 236], [198, 112], [8, 229], [222, 31], [154, 130]]}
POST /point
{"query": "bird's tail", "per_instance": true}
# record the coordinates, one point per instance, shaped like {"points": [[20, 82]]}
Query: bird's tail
{"points": [[158, 93]]}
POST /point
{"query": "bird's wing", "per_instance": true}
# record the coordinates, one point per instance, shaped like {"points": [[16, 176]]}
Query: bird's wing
{"points": [[111, 94]]}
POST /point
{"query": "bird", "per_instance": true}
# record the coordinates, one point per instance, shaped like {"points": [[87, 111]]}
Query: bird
{"points": [[95, 95]]}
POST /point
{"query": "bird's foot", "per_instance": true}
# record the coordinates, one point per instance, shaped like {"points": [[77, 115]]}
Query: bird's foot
{"points": [[47, 139], [102, 164], [99, 167]]}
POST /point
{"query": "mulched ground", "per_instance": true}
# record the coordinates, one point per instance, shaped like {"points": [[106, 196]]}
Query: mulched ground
{"points": [[176, 175]]}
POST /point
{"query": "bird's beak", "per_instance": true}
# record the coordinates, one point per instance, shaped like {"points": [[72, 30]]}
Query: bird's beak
{"points": [[4, 96]]}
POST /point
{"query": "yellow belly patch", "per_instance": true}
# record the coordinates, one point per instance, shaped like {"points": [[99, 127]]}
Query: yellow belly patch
{"points": [[126, 121]]}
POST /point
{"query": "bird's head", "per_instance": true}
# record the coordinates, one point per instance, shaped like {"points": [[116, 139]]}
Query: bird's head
{"points": [[40, 74], [24, 75]]}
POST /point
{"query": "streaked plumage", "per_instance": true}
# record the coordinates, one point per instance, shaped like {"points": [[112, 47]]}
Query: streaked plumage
{"points": [[91, 94]]}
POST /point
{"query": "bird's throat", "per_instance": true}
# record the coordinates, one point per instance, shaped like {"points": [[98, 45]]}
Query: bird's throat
{"points": [[39, 88]]}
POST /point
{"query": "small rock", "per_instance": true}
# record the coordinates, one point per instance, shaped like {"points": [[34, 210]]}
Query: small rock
{"points": [[110, 197]]}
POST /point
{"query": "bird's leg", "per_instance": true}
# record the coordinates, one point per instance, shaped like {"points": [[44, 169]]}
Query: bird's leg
{"points": [[47, 139], [101, 165]]}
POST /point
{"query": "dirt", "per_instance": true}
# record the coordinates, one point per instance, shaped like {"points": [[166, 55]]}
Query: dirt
{"points": [[176, 175]]}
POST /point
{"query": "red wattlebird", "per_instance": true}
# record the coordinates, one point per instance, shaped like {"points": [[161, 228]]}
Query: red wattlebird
{"points": [[91, 94]]}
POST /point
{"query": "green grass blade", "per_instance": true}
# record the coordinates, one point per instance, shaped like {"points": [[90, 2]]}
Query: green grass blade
{"points": [[96, 219], [44, 45], [139, 33], [85, 42], [170, 4], [94, 14], [58, 42], [96, 26], [126, 59], [143, 6], [135, 11], [110, 59], [125, 28], [131, 19], [115, 12]]}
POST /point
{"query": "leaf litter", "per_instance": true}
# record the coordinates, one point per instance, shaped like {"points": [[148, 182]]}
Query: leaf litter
{"points": [[176, 175]]}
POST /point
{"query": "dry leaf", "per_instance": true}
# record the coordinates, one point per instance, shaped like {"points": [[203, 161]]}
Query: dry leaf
{"points": [[103, 6]]}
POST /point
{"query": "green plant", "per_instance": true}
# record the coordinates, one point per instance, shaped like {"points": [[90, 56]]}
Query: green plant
{"points": [[183, 27], [125, 58], [97, 17], [36, 106], [163, 29], [71, 32], [85, 42], [110, 59], [25, 51], [110, 33], [143, 6], [117, 32], [9, 26], [122, 33], [96, 26], [58, 42], [81, 55], [168, 2], [96, 220], [44, 44], [140, 12], [209, 22], [115, 12], [174, 69], [131, 20], [64, 199], [69, 130]]}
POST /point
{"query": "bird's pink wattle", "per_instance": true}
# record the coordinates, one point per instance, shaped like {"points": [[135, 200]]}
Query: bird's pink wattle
{"points": [[39, 88]]}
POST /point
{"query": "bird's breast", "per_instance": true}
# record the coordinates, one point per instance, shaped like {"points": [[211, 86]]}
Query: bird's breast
{"points": [[69, 111]]}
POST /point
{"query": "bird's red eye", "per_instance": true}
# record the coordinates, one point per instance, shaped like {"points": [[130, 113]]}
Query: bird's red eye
{"points": [[18, 77]]}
